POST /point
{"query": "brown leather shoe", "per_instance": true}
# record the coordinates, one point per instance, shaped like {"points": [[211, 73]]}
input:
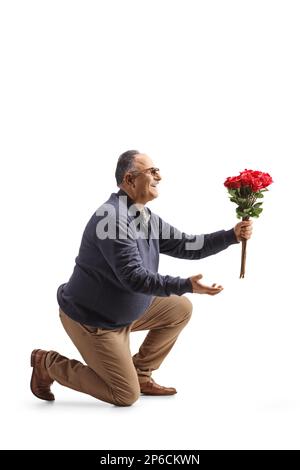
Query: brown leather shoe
{"points": [[40, 380], [152, 388]]}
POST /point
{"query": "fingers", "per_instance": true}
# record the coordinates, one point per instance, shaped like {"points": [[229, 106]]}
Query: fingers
{"points": [[197, 278], [200, 288], [246, 232], [212, 290], [245, 229], [244, 223]]}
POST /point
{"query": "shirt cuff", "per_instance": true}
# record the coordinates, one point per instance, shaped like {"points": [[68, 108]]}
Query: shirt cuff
{"points": [[186, 286], [230, 237]]}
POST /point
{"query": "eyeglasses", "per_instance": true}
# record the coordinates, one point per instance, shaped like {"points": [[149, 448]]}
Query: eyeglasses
{"points": [[153, 171]]}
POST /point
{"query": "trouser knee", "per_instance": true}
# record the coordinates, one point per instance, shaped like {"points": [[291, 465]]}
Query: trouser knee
{"points": [[127, 397], [186, 308]]}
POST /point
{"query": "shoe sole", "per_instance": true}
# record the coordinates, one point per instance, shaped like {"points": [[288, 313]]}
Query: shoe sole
{"points": [[159, 394], [32, 363]]}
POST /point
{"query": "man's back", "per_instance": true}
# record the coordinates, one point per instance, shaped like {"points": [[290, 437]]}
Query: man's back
{"points": [[95, 294]]}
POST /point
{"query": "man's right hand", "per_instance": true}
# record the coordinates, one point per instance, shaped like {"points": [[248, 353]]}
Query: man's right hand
{"points": [[199, 288]]}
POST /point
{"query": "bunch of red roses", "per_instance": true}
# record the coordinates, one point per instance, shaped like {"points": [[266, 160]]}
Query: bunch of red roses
{"points": [[256, 180], [244, 190]]}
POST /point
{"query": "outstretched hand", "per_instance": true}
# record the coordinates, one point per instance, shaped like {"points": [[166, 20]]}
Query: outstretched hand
{"points": [[199, 288]]}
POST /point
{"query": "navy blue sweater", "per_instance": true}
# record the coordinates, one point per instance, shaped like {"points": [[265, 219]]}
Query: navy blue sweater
{"points": [[116, 277]]}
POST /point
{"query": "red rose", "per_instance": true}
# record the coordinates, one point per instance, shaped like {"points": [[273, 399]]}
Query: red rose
{"points": [[233, 182], [256, 180]]}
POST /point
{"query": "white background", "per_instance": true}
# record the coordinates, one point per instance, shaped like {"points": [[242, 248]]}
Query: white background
{"points": [[206, 89]]}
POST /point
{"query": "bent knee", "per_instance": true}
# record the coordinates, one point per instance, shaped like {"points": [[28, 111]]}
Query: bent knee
{"points": [[127, 397], [186, 307]]}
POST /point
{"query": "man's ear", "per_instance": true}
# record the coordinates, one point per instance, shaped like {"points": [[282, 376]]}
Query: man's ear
{"points": [[129, 179]]}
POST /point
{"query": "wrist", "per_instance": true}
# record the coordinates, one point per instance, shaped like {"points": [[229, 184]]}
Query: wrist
{"points": [[231, 237], [236, 235]]}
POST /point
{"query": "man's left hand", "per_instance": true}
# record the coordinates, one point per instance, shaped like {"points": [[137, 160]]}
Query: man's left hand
{"points": [[243, 230]]}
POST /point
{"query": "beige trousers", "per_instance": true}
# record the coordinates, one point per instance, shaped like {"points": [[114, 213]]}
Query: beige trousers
{"points": [[111, 374]]}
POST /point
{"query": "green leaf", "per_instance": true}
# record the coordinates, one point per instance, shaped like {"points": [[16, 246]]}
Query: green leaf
{"points": [[258, 204], [259, 195], [241, 213], [242, 200], [256, 212]]}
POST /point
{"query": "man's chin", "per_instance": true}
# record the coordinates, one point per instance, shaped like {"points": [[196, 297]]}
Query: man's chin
{"points": [[154, 194]]}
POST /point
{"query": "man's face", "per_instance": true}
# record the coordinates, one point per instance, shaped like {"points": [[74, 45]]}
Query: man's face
{"points": [[143, 180]]}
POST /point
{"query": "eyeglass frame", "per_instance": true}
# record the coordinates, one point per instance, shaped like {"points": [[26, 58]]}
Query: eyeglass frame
{"points": [[154, 171]]}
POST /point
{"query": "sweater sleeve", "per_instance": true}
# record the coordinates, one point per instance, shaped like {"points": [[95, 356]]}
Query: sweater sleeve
{"points": [[172, 242], [124, 258]]}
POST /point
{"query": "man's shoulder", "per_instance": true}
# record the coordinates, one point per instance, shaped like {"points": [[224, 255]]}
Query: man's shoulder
{"points": [[111, 202], [114, 210], [104, 209]]}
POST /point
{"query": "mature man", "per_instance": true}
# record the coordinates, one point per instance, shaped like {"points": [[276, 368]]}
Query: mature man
{"points": [[116, 289]]}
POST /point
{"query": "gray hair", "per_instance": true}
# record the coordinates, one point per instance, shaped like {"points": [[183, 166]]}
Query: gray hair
{"points": [[125, 163]]}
